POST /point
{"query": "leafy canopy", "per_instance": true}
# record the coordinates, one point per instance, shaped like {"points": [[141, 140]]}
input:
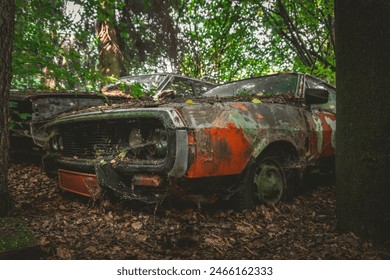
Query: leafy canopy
{"points": [[56, 45]]}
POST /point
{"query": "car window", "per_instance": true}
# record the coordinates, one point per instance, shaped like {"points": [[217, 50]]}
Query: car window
{"points": [[143, 83], [148, 82], [267, 86], [181, 86], [201, 88], [330, 106]]}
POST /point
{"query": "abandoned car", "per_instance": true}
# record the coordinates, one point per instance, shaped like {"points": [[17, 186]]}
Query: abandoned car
{"points": [[247, 140], [32, 110]]}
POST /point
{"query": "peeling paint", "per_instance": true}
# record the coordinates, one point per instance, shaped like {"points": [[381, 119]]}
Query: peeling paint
{"points": [[318, 132], [196, 141], [332, 123], [240, 106], [247, 124], [260, 146], [219, 151], [328, 133]]}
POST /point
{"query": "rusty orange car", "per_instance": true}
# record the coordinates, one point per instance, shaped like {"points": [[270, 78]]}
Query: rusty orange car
{"points": [[248, 140]]}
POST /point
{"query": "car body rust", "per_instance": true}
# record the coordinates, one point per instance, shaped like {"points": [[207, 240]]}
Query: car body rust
{"points": [[261, 131]]}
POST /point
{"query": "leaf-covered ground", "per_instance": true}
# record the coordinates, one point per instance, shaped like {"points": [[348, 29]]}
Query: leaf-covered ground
{"points": [[69, 227]]}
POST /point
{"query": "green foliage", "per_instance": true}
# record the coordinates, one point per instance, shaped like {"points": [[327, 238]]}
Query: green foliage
{"points": [[136, 90], [51, 51], [227, 40], [244, 93], [146, 31], [302, 33], [220, 39], [15, 116], [14, 235]]}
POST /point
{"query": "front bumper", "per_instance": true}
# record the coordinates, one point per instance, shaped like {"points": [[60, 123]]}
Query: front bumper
{"points": [[80, 183]]}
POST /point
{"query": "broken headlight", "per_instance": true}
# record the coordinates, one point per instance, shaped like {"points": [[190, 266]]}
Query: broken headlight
{"points": [[147, 141]]}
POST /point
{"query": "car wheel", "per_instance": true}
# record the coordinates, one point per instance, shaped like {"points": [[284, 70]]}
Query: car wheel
{"points": [[270, 179]]}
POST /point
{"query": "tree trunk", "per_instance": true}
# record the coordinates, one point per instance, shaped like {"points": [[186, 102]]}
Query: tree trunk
{"points": [[7, 15], [363, 120], [110, 55]]}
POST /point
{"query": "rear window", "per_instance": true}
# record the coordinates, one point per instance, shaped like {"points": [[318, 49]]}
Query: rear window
{"points": [[267, 85]]}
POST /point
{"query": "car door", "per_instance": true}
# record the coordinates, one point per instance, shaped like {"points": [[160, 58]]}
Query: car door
{"points": [[322, 134]]}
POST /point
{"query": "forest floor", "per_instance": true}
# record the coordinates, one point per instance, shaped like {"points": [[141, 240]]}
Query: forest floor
{"points": [[67, 226]]}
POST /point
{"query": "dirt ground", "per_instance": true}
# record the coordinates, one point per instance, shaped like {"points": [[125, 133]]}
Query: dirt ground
{"points": [[71, 227]]}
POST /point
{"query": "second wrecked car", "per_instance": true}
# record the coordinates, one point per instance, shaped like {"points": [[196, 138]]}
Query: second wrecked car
{"points": [[248, 139]]}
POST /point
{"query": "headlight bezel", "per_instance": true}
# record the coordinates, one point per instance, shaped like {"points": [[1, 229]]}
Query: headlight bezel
{"points": [[148, 140]]}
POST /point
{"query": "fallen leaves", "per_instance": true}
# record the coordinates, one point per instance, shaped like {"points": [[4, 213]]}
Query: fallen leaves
{"points": [[136, 225], [68, 226]]}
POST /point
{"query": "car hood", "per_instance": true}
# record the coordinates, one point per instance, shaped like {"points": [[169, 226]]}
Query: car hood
{"points": [[196, 113]]}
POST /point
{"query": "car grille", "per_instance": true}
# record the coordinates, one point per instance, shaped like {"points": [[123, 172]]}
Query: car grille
{"points": [[90, 140]]}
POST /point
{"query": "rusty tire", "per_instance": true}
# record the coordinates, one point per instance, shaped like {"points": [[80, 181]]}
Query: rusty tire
{"points": [[269, 179]]}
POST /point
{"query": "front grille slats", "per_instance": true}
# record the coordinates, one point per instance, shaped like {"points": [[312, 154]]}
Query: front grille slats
{"points": [[89, 140]]}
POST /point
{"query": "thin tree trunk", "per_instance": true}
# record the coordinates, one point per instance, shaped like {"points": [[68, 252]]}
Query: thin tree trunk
{"points": [[363, 117], [7, 15], [110, 55]]}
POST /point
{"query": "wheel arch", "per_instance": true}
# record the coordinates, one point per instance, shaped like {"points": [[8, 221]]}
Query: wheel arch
{"points": [[242, 196], [282, 145]]}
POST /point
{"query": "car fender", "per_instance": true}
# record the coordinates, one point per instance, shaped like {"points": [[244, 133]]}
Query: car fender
{"points": [[223, 137]]}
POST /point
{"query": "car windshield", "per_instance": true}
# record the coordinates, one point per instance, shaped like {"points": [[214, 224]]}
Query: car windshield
{"points": [[148, 82], [267, 86]]}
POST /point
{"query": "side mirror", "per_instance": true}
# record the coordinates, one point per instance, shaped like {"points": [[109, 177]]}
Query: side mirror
{"points": [[316, 95]]}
